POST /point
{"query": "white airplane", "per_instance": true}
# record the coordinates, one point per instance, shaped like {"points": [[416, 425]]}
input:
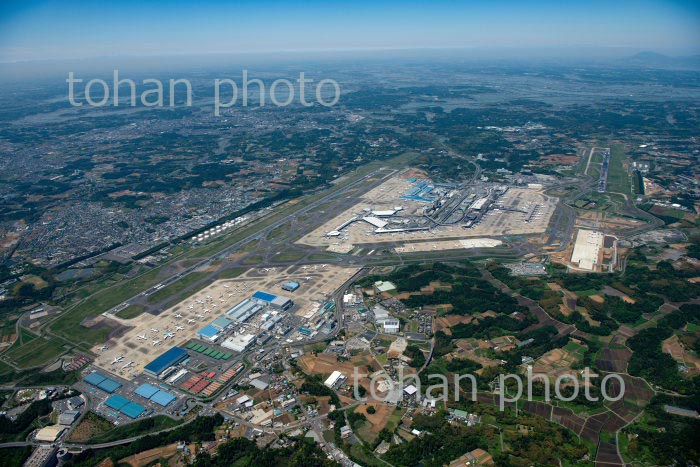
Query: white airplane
{"points": [[154, 330], [231, 294], [324, 265], [199, 316], [190, 321], [191, 307], [143, 336], [206, 310], [179, 328], [226, 287], [104, 347], [156, 343], [128, 365], [178, 316], [168, 335], [117, 359]]}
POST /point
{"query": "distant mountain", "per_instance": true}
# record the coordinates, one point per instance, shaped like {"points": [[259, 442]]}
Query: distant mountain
{"points": [[653, 59]]}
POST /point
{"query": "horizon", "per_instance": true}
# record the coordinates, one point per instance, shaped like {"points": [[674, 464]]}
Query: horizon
{"points": [[47, 30]]}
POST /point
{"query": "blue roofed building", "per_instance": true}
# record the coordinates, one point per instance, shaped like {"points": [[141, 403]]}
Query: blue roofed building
{"points": [[163, 398], [132, 409], [146, 390], [264, 296], [116, 402], [167, 359], [208, 333], [109, 385], [95, 378], [221, 323]]}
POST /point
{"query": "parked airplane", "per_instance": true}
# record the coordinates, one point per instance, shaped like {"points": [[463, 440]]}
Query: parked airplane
{"points": [[168, 335], [118, 359], [128, 365], [178, 316], [190, 321], [156, 343], [226, 287], [143, 336], [104, 347], [179, 328], [154, 330]]}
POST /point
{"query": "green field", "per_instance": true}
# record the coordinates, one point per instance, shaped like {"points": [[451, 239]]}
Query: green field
{"points": [[176, 287], [618, 176], [36, 354], [132, 311]]}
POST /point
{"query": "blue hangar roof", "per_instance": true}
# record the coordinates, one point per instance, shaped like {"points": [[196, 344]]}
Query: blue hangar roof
{"points": [[116, 402], [95, 378], [264, 296], [132, 410], [168, 358], [208, 331], [163, 398], [146, 390]]}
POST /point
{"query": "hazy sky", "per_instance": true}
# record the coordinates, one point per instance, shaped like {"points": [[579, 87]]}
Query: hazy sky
{"points": [[37, 30]]}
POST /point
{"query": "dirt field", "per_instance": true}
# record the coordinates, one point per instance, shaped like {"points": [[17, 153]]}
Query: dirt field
{"points": [[90, 426], [378, 420], [387, 196], [146, 457], [559, 361], [318, 282], [675, 348]]}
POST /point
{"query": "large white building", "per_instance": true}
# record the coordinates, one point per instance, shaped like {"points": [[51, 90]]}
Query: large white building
{"points": [[391, 326], [588, 244], [335, 380], [239, 343]]}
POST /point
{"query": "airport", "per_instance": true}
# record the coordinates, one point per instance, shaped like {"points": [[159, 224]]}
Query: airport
{"points": [[410, 207]]}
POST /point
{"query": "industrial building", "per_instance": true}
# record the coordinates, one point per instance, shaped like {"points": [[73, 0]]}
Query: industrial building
{"points": [[221, 323], [244, 310], [68, 417], [208, 333], [391, 326], [125, 406], [335, 380], [102, 382], [290, 286], [384, 286], [166, 360], [239, 343], [586, 249], [152, 393], [277, 301]]}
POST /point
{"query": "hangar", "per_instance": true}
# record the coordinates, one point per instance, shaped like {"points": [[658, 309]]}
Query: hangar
{"points": [[167, 359]]}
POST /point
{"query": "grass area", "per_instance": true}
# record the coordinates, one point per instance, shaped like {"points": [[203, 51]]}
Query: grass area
{"points": [[36, 354], [145, 426], [176, 287], [231, 273], [132, 311], [618, 175], [363, 456], [289, 256]]}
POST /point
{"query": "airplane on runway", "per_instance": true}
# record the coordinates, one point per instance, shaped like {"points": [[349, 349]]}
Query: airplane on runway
{"points": [[143, 336], [104, 347], [117, 359], [156, 343], [178, 316], [179, 328]]}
